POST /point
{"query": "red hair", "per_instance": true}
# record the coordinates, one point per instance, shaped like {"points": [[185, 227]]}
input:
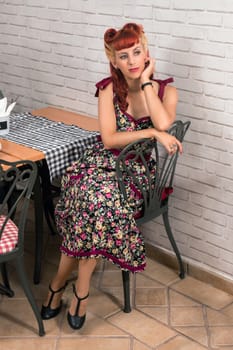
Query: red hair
{"points": [[114, 40]]}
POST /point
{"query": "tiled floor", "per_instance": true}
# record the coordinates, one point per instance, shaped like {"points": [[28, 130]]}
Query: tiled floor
{"points": [[170, 314]]}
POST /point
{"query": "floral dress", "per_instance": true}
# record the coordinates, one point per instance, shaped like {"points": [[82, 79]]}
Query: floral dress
{"points": [[91, 214]]}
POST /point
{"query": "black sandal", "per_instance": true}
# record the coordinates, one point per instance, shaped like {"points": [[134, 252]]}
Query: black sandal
{"points": [[46, 311], [75, 321]]}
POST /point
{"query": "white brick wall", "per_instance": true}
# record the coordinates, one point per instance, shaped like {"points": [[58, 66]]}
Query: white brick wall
{"points": [[52, 54]]}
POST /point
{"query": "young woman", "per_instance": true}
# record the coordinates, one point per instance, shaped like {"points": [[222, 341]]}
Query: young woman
{"points": [[91, 215]]}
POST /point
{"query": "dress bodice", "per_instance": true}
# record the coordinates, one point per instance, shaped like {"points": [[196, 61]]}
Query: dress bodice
{"points": [[126, 122]]}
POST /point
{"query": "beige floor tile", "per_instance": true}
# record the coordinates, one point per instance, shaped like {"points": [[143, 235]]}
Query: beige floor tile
{"points": [[142, 327], [221, 336], [151, 296], [114, 295], [142, 280], [228, 311], [139, 346], [94, 326], [93, 343], [103, 304], [160, 272], [158, 313], [41, 343], [109, 279], [181, 343], [186, 316], [198, 334], [17, 318], [218, 318], [177, 299], [203, 293]]}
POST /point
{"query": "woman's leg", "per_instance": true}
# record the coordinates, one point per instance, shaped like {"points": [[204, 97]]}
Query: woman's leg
{"points": [[85, 270], [66, 266]]}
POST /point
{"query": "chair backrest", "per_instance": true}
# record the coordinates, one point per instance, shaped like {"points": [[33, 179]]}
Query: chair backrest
{"points": [[16, 185], [154, 183]]}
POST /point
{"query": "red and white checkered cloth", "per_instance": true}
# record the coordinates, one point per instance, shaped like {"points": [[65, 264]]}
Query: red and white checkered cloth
{"points": [[9, 237]]}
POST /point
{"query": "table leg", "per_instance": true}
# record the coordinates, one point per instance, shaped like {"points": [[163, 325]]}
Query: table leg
{"points": [[43, 204], [49, 191], [38, 208]]}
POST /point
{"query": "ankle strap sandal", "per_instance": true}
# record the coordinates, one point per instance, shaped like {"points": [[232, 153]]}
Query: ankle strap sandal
{"points": [[46, 311], [75, 321]]}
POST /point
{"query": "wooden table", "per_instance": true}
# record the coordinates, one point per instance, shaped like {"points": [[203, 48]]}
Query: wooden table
{"points": [[60, 115], [12, 152]]}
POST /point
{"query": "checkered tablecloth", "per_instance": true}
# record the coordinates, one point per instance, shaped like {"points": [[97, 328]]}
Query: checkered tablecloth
{"points": [[61, 143]]}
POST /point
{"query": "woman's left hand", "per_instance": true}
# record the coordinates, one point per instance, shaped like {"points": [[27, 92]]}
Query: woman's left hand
{"points": [[170, 142]]}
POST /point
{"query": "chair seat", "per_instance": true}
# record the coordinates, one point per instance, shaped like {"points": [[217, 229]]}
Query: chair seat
{"points": [[9, 237]]}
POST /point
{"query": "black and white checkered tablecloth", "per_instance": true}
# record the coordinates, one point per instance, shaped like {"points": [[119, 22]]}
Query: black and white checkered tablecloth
{"points": [[61, 143]]}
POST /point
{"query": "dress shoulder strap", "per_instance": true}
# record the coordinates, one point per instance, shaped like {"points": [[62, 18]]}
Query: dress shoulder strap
{"points": [[162, 85], [102, 85], [106, 81]]}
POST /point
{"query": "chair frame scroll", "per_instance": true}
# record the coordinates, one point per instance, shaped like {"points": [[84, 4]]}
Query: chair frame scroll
{"points": [[17, 180], [155, 196]]}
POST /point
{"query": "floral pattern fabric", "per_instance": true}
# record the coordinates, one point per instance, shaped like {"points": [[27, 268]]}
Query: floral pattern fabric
{"points": [[92, 215]]}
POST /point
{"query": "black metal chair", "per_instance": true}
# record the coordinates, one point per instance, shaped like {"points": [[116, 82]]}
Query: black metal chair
{"points": [[155, 194], [17, 180]]}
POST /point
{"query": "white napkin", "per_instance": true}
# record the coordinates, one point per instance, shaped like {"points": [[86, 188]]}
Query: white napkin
{"points": [[4, 110]]}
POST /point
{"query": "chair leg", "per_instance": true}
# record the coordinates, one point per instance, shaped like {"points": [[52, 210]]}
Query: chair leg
{"points": [[5, 287], [173, 243], [29, 295], [126, 289], [133, 288]]}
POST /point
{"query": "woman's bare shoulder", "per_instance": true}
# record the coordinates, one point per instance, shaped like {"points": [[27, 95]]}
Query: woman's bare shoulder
{"points": [[107, 91], [170, 93]]}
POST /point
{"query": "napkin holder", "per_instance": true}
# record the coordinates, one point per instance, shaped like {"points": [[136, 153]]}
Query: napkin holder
{"points": [[4, 124], [5, 116]]}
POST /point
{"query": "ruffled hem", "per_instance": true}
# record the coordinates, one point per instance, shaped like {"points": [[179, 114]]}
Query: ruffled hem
{"points": [[102, 253]]}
